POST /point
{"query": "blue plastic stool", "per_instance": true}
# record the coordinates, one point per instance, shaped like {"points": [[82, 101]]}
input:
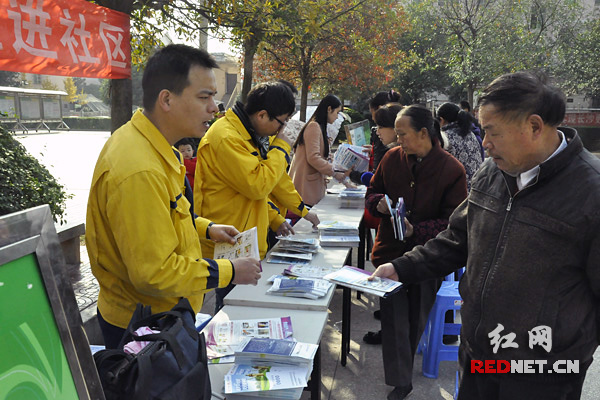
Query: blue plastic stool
{"points": [[431, 345]]}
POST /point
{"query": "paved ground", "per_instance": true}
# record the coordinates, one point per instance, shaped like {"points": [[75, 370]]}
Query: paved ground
{"points": [[71, 156]]}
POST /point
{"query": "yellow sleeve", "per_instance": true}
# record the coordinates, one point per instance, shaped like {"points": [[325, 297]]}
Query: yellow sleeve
{"points": [[158, 243], [285, 195], [275, 217], [246, 173]]}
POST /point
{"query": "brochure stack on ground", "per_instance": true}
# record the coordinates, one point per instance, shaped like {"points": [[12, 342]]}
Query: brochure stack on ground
{"points": [[356, 278], [270, 368], [337, 233]]}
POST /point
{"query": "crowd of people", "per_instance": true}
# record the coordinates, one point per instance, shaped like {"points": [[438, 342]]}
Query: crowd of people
{"points": [[511, 196]]}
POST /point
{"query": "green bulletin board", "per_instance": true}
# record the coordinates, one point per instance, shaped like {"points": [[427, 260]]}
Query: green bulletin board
{"points": [[33, 363]]}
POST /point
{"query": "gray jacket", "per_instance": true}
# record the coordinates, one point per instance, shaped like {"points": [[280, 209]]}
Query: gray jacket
{"points": [[532, 259]]}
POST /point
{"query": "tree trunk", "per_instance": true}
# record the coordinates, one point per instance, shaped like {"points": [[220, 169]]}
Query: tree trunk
{"points": [[250, 46], [121, 102], [121, 98], [470, 90], [304, 98]]}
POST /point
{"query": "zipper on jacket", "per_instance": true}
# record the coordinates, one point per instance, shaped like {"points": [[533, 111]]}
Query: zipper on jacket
{"points": [[508, 209]]}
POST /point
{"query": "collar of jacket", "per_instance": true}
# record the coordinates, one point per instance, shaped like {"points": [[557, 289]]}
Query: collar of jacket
{"points": [[562, 159], [262, 144], [156, 139]]}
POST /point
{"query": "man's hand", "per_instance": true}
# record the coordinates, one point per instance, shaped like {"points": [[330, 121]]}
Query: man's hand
{"points": [[285, 229], [247, 271], [386, 270], [312, 218], [222, 233], [283, 134], [382, 206]]}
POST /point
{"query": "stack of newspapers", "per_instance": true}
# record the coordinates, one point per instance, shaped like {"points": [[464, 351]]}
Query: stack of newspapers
{"points": [[291, 286], [337, 233], [270, 368], [293, 250]]}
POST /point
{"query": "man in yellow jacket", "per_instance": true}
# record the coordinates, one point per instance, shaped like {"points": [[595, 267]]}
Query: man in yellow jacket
{"points": [[142, 240], [242, 161]]}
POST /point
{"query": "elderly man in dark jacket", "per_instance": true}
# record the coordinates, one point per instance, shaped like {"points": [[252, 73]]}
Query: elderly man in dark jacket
{"points": [[529, 234]]}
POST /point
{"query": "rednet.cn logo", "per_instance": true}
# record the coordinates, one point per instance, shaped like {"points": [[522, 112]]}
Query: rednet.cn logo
{"points": [[538, 336]]}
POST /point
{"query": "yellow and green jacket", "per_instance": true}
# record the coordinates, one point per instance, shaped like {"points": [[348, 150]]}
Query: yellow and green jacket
{"points": [[233, 182], [142, 244]]}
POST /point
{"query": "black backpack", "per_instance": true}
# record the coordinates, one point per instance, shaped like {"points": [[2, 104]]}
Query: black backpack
{"points": [[172, 366]]}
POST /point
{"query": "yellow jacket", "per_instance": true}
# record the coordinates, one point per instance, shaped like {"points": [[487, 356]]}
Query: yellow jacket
{"points": [[141, 241], [233, 182]]}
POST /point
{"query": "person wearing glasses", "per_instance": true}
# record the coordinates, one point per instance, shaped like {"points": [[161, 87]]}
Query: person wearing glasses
{"points": [[241, 164], [311, 165]]}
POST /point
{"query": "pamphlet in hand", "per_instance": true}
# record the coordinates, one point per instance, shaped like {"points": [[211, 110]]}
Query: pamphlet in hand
{"points": [[398, 214], [223, 336], [348, 156], [246, 245], [356, 278]]}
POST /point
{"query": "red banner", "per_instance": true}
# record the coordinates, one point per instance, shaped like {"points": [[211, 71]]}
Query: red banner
{"points": [[582, 119], [64, 37]]}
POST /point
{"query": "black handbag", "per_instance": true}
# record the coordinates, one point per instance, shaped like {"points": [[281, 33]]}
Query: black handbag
{"points": [[172, 366]]}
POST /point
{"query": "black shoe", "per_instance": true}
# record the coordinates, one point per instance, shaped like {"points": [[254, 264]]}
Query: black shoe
{"points": [[372, 338], [450, 339], [400, 392], [377, 314]]}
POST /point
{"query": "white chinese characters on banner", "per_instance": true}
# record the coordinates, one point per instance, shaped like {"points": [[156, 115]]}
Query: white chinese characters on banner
{"points": [[64, 37], [35, 25], [69, 40], [540, 336], [107, 34]]}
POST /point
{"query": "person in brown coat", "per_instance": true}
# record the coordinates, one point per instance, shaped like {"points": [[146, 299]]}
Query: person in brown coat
{"points": [[433, 184], [310, 166]]}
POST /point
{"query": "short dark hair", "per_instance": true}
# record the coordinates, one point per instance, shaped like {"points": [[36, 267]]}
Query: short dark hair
{"points": [[169, 69], [385, 116], [382, 98], [276, 98], [465, 105], [185, 141], [521, 94]]}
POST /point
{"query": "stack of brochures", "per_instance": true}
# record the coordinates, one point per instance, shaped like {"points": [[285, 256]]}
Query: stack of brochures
{"points": [[337, 233], [353, 197], [270, 368], [356, 278], [224, 336], [309, 288], [297, 243], [309, 270], [398, 213], [246, 245], [277, 256]]}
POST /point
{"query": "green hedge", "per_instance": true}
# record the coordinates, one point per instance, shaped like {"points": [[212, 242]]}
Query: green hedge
{"points": [[88, 123], [24, 182]]}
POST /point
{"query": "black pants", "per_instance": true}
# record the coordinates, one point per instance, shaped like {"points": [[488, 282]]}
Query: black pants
{"points": [[403, 319], [112, 334], [476, 386]]}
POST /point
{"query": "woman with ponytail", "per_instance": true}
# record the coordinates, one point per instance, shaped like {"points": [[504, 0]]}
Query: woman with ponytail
{"points": [[310, 165], [456, 124]]}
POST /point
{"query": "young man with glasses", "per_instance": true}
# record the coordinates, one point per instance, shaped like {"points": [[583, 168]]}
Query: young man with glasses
{"points": [[242, 164]]}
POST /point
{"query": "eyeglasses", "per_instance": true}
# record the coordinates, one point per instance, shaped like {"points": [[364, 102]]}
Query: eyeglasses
{"points": [[280, 123]]}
